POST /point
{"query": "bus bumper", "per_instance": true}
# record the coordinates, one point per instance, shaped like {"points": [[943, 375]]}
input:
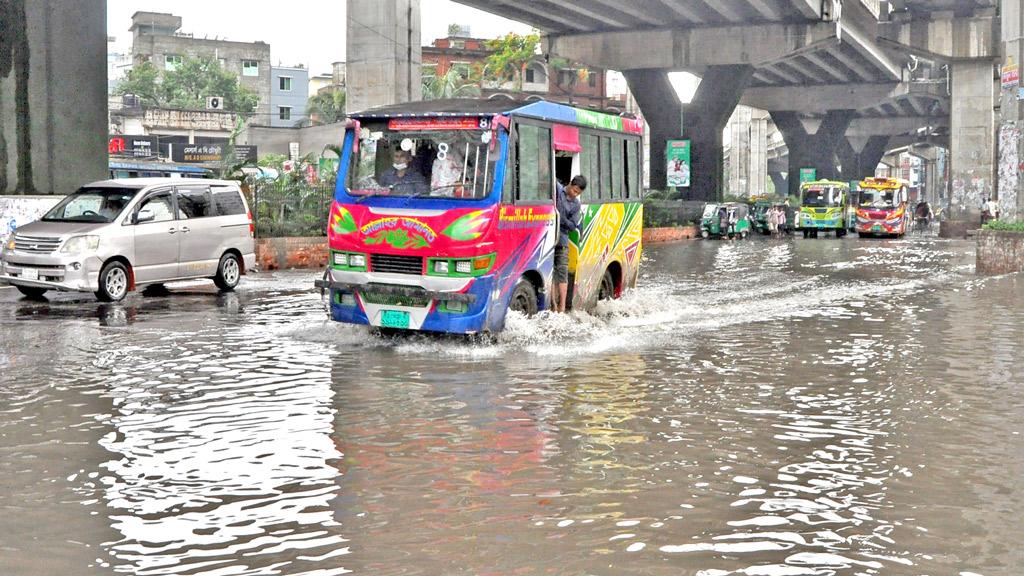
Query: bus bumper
{"points": [[458, 308]]}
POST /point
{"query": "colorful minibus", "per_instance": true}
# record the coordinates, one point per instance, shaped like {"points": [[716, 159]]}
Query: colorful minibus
{"points": [[824, 207], [444, 213], [884, 207]]}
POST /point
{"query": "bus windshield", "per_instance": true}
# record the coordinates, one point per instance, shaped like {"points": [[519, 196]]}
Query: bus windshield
{"points": [[416, 159], [877, 198], [822, 197]]}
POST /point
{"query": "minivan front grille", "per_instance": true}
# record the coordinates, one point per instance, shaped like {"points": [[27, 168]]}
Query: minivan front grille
{"points": [[396, 264], [35, 244]]}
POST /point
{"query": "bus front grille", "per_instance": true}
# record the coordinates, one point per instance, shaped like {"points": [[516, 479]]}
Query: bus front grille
{"points": [[396, 264]]}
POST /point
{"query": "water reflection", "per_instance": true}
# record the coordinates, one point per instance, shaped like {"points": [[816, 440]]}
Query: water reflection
{"points": [[225, 462], [757, 408]]}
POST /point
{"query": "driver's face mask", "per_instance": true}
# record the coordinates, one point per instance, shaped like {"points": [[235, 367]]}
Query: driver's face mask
{"points": [[400, 165]]}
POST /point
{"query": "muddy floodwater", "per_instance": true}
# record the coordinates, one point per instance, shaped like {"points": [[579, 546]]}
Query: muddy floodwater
{"points": [[815, 407]]}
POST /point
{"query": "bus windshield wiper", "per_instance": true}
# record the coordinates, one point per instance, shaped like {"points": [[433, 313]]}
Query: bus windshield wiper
{"points": [[372, 193]]}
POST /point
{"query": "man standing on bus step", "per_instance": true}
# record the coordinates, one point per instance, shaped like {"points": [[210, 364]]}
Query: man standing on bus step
{"points": [[567, 202]]}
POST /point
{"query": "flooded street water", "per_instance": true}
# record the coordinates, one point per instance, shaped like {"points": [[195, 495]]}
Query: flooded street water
{"points": [[761, 408]]}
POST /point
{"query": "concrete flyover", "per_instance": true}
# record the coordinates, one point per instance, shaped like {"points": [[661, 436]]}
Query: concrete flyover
{"points": [[837, 82]]}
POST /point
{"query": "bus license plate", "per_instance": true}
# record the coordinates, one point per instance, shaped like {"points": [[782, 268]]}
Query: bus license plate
{"points": [[394, 319]]}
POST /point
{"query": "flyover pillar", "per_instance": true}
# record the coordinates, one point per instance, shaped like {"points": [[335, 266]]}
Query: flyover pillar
{"points": [[858, 160], [53, 95], [383, 53], [702, 121], [818, 150], [972, 138]]}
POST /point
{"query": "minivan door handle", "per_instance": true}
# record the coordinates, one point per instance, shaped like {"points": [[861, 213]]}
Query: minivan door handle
{"points": [[171, 230], [185, 230]]}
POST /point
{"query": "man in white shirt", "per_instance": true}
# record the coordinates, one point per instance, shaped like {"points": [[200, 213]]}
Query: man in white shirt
{"points": [[989, 211]]}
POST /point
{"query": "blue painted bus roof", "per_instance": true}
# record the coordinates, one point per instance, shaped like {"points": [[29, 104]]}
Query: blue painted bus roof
{"points": [[456, 107]]}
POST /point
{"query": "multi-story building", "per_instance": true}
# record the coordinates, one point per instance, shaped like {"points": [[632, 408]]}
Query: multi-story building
{"points": [[158, 39], [289, 92], [557, 80]]}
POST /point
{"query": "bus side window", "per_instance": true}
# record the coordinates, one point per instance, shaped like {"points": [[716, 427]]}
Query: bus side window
{"points": [[605, 189], [632, 170], [616, 152], [508, 190], [534, 164], [588, 167]]}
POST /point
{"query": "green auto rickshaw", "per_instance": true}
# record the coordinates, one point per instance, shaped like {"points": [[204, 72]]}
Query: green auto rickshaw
{"points": [[759, 215], [728, 220]]}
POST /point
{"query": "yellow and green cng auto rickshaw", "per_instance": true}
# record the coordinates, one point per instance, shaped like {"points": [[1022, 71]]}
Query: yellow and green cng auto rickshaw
{"points": [[729, 220], [824, 207]]}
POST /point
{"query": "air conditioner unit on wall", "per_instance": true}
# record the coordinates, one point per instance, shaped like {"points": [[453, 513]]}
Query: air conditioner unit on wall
{"points": [[214, 103]]}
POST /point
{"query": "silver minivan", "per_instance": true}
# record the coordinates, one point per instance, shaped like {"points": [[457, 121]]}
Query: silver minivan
{"points": [[114, 236]]}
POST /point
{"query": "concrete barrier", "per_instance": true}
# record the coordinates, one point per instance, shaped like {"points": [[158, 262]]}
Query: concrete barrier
{"points": [[673, 234], [284, 253], [999, 252]]}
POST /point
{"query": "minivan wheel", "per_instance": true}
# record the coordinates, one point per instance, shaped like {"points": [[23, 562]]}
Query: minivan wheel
{"points": [[31, 291], [229, 272], [114, 281]]}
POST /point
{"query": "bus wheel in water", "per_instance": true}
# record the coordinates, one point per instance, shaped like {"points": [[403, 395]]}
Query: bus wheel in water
{"points": [[524, 298], [607, 290]]}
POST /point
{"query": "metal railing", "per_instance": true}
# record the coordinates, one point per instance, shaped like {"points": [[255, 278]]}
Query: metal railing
{"points": [[295, 209]]}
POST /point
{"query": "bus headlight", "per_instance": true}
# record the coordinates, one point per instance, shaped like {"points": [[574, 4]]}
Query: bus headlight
{"points": [[463, 266], [357, 260], [441, 267], [80, 245]]}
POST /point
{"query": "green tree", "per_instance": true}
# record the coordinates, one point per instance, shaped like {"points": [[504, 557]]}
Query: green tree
{"points": [[196, 79], [143, 81], [188, 86], [452, 85], [326, 107], [511, 53], [454, 30]]}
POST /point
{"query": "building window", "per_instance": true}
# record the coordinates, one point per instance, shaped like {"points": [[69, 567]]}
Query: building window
{"points": [[172, 61], [285, 83], [223, 63], [530, 76], [250, 68], [462, 69], [591, 79], [566, 77], [459, 44], [284, 112]]}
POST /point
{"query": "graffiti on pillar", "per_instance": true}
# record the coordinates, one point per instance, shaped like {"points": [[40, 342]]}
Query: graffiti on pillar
{"points": [[1009, 168], [14, 62]]}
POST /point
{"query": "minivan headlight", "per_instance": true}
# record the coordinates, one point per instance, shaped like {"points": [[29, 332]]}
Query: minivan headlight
{"points": [[80, 245]]}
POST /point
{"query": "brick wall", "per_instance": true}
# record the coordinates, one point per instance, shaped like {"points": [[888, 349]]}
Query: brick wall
{"points": [[1000, 252], [673, 234], [283, 253]]}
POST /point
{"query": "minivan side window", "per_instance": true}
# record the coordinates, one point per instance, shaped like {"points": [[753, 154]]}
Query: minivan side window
{"points": [[160, 205], [194, 202], [228, 201]]}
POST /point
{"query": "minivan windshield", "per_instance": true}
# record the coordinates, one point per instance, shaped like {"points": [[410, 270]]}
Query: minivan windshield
{"points": [[93, 205], [429, 158]]}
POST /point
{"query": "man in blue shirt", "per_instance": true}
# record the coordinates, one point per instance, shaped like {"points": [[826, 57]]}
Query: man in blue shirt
{"points": [[401, 178], [567, 202]]}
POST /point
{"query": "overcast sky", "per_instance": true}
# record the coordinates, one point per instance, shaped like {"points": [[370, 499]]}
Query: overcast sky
{"points": [[308, 32]]}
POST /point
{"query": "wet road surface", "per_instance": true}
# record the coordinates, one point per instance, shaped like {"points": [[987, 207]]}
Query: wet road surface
{"points": [[762, 408]]}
